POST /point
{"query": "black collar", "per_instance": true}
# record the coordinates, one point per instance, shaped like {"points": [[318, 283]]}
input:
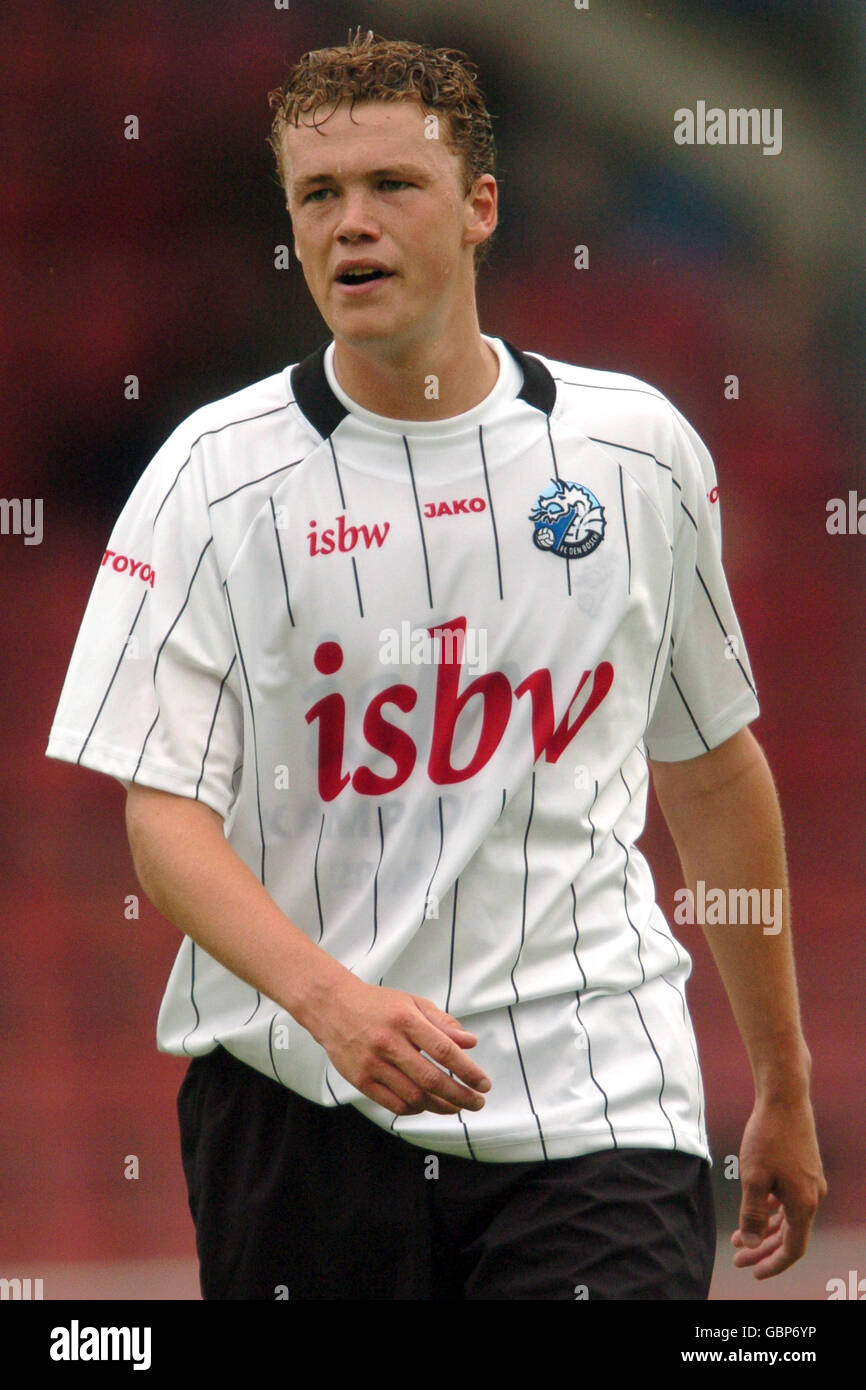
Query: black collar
{"points": [[324, 411]]}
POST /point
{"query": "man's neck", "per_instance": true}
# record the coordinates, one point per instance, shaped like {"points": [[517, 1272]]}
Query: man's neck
{"points": [[431, 382]]}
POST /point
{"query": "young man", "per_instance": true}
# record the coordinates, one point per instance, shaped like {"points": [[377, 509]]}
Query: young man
{"points": [[381, 646]]}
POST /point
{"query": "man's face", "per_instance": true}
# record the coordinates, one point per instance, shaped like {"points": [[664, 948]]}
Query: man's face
{"points": [[373, 191]]}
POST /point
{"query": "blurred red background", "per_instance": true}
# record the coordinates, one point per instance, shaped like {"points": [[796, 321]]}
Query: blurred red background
{"points": [[155, 257]]}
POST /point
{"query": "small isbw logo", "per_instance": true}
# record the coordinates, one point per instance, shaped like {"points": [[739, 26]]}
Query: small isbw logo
{"points": [[569, 520]]}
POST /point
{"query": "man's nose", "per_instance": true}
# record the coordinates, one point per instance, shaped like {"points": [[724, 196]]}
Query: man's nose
{"points": [[357, 215]]}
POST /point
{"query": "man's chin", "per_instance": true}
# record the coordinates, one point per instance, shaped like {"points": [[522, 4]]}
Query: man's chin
{"points": [[368, 330], [358, 332]]}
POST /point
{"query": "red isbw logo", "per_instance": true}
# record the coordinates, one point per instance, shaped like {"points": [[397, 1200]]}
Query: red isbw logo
{"points": [[493, 689], [344, 538]]}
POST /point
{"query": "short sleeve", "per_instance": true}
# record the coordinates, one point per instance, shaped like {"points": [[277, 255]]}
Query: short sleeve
{"points": [[152, 693], [707, 693]]}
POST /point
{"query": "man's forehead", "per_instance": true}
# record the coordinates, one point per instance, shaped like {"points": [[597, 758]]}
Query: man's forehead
{"points": [[370, 128]]}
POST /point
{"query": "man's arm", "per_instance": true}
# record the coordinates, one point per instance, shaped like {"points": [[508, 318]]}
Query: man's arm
{"points": [[723, 814], [374, 1036]]}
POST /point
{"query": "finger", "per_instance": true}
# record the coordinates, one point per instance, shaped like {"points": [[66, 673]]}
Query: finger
{"points": [[420, 1085], [441, 1084], [754, 1213], [401, 1096], [399, 1063], [447, 1023], [773, 1225], [385, 1097], [795, 1233], [441, 1107], [460, 1036], [455, 1030], [745, 1259], [435, 1013], [422, 1090], [446, 1053], [791, 1246]]}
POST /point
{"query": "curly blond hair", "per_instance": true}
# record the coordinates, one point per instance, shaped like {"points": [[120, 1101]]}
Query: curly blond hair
{"points": [[372, 68]]}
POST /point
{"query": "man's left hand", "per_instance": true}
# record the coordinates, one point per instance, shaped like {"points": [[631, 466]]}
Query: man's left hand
{"points": [[782, 1183]]}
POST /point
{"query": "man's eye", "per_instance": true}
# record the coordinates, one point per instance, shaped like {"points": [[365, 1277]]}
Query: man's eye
{"points": [[315, 195], [394, 183]]}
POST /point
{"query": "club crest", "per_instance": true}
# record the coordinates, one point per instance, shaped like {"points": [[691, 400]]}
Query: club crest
{"points": [[568, 520]]}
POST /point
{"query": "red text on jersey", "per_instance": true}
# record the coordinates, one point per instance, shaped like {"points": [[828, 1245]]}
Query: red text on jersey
{"points": [[124, 564], [344, 538], [456, 505], [493, 689]]}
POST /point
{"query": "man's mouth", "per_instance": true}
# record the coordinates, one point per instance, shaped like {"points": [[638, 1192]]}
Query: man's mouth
{"points": [[362, 277]]}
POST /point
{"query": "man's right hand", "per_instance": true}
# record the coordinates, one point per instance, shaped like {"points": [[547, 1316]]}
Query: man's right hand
{"points": [[376, 1038]]}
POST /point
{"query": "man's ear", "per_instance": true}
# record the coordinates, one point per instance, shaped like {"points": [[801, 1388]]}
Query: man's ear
{"points": [[482, 210]]}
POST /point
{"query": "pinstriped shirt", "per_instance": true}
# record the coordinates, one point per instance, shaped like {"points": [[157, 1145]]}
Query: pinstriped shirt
{"points": [[418, 668]]}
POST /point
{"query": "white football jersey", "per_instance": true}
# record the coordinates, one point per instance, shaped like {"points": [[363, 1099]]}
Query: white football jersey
{"points": [[418, 668]]}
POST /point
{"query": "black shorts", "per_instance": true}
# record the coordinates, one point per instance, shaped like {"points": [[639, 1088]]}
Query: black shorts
{"points": [[295, 1200]]}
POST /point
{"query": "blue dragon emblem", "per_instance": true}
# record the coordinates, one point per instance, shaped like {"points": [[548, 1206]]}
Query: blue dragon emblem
{"points": [[569, 520]]}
